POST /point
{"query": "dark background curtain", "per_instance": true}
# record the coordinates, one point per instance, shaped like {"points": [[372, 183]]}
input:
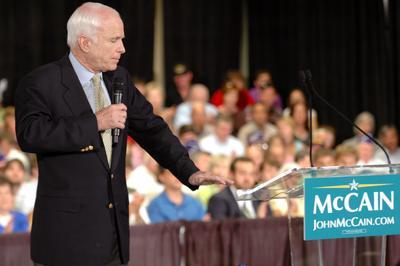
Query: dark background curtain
{"points": [[204, 34], [344, 44], [34, 33]]}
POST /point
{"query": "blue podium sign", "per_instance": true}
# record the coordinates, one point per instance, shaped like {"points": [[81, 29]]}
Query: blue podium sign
{"points": [[345, 207]]}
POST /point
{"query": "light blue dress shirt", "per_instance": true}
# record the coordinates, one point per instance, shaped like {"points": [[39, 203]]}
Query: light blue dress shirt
{"points": [[85, 78]]}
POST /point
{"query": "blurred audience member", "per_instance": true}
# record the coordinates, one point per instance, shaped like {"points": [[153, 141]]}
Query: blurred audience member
{"points": [[198, 93], [296, 95], [137, 214], [276, 150], [346, 155], [285, 130], [366, 122], [9, 122], [233, 80], [271, 99], [182, 78], [256, 153], [258, 130], [139, 83], [189, 138], [219, 166], [324, 157], [10, 150], [224, 205], [262, 79], [11, 221], [324, 136], [172, 204], [366, 153], [143, 179], [14, 171], [154, 93], [26, 195], [300, 121], [199, 120], [389, 137], [221, 141]]}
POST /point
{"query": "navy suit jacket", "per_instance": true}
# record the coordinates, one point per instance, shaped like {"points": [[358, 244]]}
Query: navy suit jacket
{"points": [[224, 205], [82, 203]]}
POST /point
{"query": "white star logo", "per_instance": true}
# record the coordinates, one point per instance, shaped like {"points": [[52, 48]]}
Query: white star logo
{"points": [[353, 185]]}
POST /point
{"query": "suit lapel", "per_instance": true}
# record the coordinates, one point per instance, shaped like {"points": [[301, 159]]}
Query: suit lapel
{"points": [[76, 99]]}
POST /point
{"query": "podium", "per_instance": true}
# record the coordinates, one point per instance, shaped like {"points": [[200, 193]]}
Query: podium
{"points": [[342, 206]]}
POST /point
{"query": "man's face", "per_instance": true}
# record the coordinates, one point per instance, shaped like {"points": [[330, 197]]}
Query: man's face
{"points": [[105, 51], [262, 79], [244, 175]]}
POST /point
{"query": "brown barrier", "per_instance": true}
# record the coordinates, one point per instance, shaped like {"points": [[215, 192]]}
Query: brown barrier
{"points": [[228, 243]]}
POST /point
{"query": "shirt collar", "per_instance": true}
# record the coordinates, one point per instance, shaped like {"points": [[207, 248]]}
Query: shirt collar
{"points": [[84, 75]]}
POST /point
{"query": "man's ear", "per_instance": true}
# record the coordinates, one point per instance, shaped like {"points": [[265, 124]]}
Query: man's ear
{"points": [[84, 43]]}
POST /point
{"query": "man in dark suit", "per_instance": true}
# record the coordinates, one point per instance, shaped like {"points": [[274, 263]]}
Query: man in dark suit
{"points": [[224, 205], [64, 115]]}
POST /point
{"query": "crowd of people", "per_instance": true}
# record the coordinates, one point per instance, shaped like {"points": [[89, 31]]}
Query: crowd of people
{"points": [[248, 135]]}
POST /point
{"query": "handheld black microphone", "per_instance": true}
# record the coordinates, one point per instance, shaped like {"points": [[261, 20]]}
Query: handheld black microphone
{"points": [[308, 80], [118, 86]]}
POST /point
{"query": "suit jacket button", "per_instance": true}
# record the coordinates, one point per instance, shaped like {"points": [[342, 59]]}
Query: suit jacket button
{"points": [[110, 205], [112, 176], [90, 147]]}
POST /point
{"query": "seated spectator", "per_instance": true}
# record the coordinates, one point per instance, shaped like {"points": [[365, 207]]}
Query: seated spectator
{"points": [[262, 79], [276, 150], [198, 93], [154, 93], [285, 128], [346, 155], [10, 221], [233, 79], [182, 80], [324, 157], [219, 166], [389, 137], [221, 141], [26, 195], [296, 95], [366, 153], [14, 171], [143, 179], [173, 204], [199, 120], [137, 214], [224, 205], [270, 97], [300, 121], [324, 136], [9, 150], [256, 153], [258, 130], [366, 122], [189, 138]]}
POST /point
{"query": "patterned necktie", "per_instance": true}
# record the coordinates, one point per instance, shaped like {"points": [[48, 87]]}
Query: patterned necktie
{"points": [[100, 103]]}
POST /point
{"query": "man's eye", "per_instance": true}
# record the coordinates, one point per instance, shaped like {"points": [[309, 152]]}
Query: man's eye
{"points": [[114, 40]]}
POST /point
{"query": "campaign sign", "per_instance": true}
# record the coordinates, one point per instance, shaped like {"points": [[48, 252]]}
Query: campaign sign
{"points": [[345, 207]]}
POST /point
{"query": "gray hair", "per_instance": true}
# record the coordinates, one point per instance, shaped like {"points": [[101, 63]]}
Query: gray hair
{"points": [[85, 20]]}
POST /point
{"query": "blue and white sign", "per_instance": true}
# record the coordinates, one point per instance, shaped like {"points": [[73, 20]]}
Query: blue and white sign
{"points": [[345, 207]]}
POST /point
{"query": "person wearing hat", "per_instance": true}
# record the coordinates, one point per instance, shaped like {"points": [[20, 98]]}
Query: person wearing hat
{"points": [[183, 77]]}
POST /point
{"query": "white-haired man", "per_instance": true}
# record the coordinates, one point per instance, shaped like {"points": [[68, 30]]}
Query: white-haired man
{"points": [[65, 115]]}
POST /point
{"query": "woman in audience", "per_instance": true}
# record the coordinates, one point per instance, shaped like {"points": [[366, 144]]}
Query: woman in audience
{"points": [[10, 221]]}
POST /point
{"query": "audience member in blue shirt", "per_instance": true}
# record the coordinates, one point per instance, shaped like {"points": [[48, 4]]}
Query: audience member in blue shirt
{"points": [[10, 221], [172, 204]]}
